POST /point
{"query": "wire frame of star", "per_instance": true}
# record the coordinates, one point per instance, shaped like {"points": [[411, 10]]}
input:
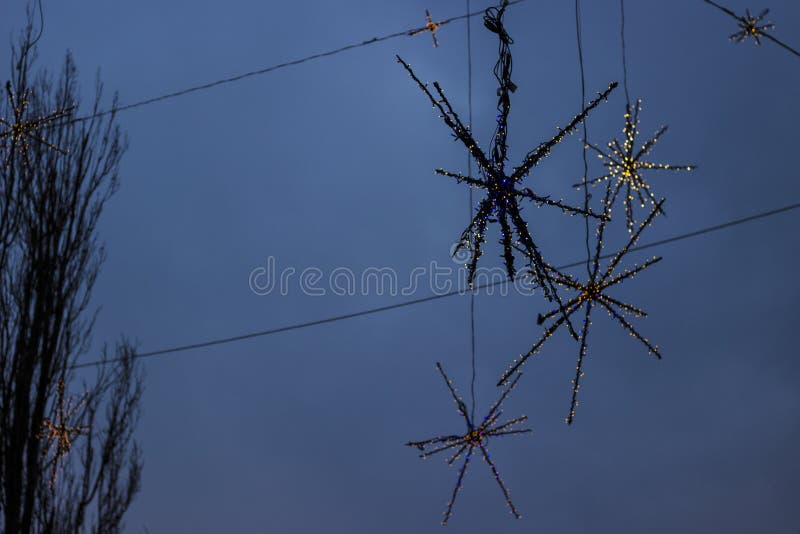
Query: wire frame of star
{"points": [[504, 193], [477, 436], [625, 165], [753, 26], [58, 433], [590, 294], [19, 130], [430, 26]]}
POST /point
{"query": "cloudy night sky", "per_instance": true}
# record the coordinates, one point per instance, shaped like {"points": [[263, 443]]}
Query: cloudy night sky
{"points": [[329, 165]]}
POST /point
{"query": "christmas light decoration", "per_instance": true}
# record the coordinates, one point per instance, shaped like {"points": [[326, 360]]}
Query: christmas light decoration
{"points": [[59, 433], [19, 130], [752, 26], [502, 202], [625, 164], [430, 26], [590, 294], [476, 437]]}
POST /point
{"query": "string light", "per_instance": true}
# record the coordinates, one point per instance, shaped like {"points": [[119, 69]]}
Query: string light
{"points": [[59, 434], [476, 437], [590, 294], [502, 203], [625, 164], [752, 26], [430, 26], [20, 129]]}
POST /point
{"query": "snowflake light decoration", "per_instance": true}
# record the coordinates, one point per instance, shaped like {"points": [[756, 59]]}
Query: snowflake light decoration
{"points": [[625, 164], [20, 129], [59, 433], [590, 294], [430, 26], [752, 26], [476, 437], [504, 194]]}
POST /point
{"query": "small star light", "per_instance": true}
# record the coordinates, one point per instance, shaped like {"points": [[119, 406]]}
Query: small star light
{"points": [[502, 202], [20, 130], [430, 26], [594, 293], [625, 165], [476, 437], [59, 434], [752, 26]]}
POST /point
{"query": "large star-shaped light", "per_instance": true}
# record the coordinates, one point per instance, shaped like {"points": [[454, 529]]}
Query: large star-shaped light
{"points": [[593, 292], [625, 164], [475, 437], [20, 129], [503, 189]]}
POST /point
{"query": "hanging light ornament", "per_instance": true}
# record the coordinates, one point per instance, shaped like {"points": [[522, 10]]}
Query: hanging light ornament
{"points": [[504, 193], [58, 433], [20, 130], [430, 26], [594, 292], [625, 165], [477, 436], [751, 26]]}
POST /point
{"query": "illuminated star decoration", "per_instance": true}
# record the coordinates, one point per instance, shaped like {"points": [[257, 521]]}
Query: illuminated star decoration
{"points": [[475, 437], [750, 26], [625, 164], [20, 130], [430, 26], [502, 203], [58, 433], [594, 293]]}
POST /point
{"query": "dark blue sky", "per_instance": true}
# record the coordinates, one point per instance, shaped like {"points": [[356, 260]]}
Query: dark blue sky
{"points": [[329, 164]]}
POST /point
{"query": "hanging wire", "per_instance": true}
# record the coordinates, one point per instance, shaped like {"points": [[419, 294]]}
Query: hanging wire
{"points": [[586, 195], [469, 173], [372, 311], [624, 55]]}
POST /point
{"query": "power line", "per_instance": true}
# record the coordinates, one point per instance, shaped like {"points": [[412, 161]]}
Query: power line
{"points": [[371, 311], [265, 70]]}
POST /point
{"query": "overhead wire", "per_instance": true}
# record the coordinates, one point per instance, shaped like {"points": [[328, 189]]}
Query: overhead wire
{"points": [[389, 307]]}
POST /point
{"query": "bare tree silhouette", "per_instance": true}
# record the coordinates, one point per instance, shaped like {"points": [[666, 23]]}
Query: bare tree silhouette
{"points": [[68, 458]]}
